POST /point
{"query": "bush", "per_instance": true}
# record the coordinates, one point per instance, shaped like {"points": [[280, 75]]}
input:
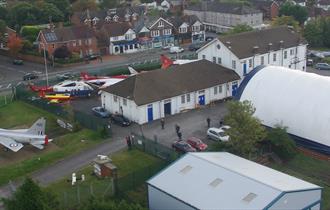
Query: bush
{"points": [[62, 52], [30, 32]]}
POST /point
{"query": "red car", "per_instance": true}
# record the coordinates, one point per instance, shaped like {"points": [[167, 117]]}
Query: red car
{"points": [[196, 143]]}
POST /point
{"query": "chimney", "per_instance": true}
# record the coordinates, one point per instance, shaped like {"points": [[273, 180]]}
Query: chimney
{"points": [[270, 46], [255, 49], [281, 44]]}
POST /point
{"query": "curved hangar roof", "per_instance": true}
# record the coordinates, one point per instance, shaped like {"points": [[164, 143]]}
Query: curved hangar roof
{"points": [[295, 99]]}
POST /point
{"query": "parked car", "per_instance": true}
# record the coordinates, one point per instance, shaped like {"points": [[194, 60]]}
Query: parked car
{"points": [[309, 62], [18, 62], [176, 49], [182, 146], [209, 38], [217, 134], [65, 76], [195, 46], [224, 127], [322, 66], [30, 76], [196, 143], [101, 112], [92, 57], [166, 47], [120, 120]]}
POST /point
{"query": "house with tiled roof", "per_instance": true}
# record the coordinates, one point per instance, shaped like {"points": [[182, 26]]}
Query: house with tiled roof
{"points": [[221, 17], [4, 38], [270, 9], [279, 46], [78, 39]]}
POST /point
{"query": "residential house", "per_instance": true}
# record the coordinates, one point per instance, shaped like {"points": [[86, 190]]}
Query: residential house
{"points": [[270, 9], [3, 3], [280, 46], [4, 38], [300, 2], [78, 39], [121, 38], [324, 4], [161, 31], [220, 180], [187, 29], [153, 95], [221, 17]]}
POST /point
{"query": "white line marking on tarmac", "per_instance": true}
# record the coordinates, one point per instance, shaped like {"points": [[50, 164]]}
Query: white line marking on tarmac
{"points": [[9, 85]]}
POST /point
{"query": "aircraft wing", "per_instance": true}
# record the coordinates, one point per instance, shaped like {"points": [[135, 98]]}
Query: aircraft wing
{"points": [[10, 143]]}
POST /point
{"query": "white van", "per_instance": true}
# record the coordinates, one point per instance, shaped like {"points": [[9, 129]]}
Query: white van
{"points": [[176, 49]]}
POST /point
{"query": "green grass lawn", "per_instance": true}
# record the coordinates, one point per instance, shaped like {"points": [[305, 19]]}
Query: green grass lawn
{"points": [[127, 162], [19, 114], [311, 170]]}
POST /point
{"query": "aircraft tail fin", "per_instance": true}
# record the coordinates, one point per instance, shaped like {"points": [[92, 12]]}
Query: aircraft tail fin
{"points": [[38, 128], [132, 71], [166, 62], [84, 76]]}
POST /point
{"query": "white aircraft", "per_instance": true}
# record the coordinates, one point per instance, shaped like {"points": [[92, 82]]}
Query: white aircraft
{"points": [[35, 135], [75, 88]]}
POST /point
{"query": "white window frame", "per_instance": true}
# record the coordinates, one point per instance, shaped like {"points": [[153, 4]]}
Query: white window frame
{"points": [[183, 99], [115, 99], [183, 30], [250, 62], [188, 97], [274, 57], [167, 31], [214, 59], [215, 90], [154, 33], [233, 64], [219, 60], [124, 101], [161, 23], [285, 54], [203, 56], [262, 60], [220, 89]]}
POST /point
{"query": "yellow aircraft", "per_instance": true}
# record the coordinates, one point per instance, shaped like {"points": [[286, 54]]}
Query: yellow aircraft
{"points": [[55, 98]]}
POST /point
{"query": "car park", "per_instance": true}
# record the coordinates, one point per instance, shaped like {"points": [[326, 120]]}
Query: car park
{"points": [[18, 62], [30, 76], [196, 143], [322, 66], [182, 146], [217, 134], [101, 112], [176, 49], [120, 120]]}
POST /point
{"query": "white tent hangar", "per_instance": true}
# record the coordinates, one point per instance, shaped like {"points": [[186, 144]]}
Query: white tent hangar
{"points": [[297, 100], [220, 180]]}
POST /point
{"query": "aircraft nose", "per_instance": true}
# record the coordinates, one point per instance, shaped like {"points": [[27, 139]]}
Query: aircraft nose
{"points": [[46, 140]]}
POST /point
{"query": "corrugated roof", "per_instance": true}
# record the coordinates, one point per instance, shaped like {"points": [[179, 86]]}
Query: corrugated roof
{"points": [[161, 84], [244, 184]]}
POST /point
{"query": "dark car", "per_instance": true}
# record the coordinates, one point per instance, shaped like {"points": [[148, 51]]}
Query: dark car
{"points": [[30, 76], [92, 57], [101, 112], [309, 62], [120, 120], [196, 143], [195, 46], [209, 38], [18, 62], [182, 146]]}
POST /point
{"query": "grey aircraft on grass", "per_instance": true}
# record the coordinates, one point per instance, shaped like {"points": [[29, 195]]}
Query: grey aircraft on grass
{"points": [[35, 135]]}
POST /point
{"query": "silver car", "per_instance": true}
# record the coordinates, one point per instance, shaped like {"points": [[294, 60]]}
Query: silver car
{"points": [[322, 66]]}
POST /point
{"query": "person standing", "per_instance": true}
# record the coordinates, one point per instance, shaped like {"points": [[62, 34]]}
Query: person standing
{"points": [[162, 122], [221, 122], [180, 135], [177, 128], [208, 120]]}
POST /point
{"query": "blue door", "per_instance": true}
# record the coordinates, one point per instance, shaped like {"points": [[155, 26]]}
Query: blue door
{"points": [[244, 69], [201, 100], [234, 89], [150, 113], [167, 109]]}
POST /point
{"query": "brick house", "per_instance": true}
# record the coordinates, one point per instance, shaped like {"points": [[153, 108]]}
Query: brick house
{"points": [[4, 38], [270, 9], [78, 39]]}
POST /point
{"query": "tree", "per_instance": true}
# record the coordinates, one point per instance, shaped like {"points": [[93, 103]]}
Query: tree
{"points": [[29, 196], [317, 32], [3, 13], [81, 5], [23, 13], [286, 20], [62, 5], [240, 29], [246, 131], [298, 12], [30, 32], [109, 3], [14, 44], [50, 10], [281, 143], [62, 52], [3, 27]]}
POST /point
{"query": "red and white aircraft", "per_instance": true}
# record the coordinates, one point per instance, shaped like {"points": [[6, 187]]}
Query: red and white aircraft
{"points": [[167, 62], [35, 88], [104, 81]]}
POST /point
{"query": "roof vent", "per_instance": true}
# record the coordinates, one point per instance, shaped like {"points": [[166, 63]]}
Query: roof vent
{"points": [[186, 169], [216, 182], [249, 197], [255, 49]]}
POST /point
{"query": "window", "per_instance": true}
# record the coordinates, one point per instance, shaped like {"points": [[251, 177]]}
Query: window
{"points": [[125, 101], [262, 60], [79, 42], [296, 50], [215, 91], [154, 33], [220, 89], [128, 36], [285, 54], [203, 56], [233, 64], [274, 57], [115, 98], [291, 52], [195, 28], [188, 97], [160, 24], [183, 99], [214, 59], [250, 63], [167, 31], [115, 38], [74, 43], [183, 30], [219, 60], [131, 47], [89, 41]]}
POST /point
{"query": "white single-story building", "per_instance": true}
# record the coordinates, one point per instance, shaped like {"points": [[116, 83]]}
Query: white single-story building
{"points": [[293, 99], [153, 95], [220, 180], [280, 46]]}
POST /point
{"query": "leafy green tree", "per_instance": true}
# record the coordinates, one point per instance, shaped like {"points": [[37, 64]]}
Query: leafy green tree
{"points": [[62, 5], [30, 32], [50, 10], [3, 27], [62, 52], [298, 12], [82, 5], [29, 196], [246, 130], [281, 143], [286, 20], [110, 3], [240, 29], [314, 33], [23, 13], [3, 13]]}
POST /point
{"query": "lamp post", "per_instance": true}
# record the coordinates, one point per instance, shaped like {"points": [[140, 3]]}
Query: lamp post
{"points": [[45, 60]]}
